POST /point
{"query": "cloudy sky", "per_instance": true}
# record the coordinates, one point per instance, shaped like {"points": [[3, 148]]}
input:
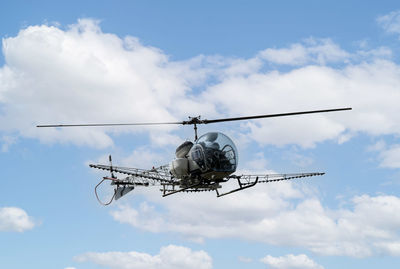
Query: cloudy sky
{"points": [[141, 61]]}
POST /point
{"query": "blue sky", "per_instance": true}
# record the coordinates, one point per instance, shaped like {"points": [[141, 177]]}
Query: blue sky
{"points": [[138, 61]]}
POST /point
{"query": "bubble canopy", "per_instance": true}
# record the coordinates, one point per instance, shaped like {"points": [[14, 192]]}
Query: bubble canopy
{"points": [[215, 152]]}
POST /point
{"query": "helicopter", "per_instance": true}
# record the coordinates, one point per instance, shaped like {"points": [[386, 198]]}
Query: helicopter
{"points": [[202, 165]]}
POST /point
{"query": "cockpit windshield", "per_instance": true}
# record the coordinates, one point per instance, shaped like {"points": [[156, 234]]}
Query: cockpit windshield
{"points": [[217, 152]]}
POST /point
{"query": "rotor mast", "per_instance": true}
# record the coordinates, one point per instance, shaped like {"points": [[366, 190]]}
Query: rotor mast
{"points": [[194, 121]]}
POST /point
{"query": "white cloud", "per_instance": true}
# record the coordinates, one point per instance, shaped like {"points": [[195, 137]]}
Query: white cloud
{"points": [[298, 159], [145, 158], [319, 51], [169, 257], [14, 219], [390, 157], [378, 53], [8, 141], [242, 67], [314, 87], [84, 75], [276, 214], [291, 261], [390, 22], [378, 146], [245, 259]]}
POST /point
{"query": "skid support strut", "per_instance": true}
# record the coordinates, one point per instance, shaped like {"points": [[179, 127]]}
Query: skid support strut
{"points": [[242, 186]]}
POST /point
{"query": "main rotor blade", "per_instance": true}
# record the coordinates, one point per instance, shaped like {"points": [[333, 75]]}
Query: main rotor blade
{"points": [[106, 124], [196, 120], [275, 115]]}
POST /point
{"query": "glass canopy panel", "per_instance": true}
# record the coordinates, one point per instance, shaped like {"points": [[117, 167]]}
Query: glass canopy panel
{"points": [[220, 152]]}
